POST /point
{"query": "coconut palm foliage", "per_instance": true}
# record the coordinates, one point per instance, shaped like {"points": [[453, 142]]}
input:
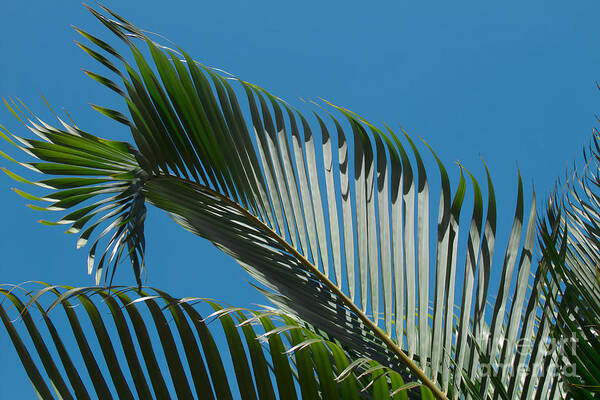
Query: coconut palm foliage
{"points": [[571, 247], [166, 348], [339, 240]]}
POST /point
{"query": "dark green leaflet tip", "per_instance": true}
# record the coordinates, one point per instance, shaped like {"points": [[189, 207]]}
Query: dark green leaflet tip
{"points": [[117, 116], [99, 42], [459, 196], [104, 81], [99, 57]]}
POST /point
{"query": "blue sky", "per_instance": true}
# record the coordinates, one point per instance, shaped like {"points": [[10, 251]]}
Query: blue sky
{"points": [[510, 82]]}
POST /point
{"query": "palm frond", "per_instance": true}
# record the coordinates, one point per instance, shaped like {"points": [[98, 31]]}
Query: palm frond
{"points": [[143, 343], [100, 176], [570, 239], [347, 253]]}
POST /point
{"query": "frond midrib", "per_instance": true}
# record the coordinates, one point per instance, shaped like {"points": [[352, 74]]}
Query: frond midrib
{"points": [[378, 332]]}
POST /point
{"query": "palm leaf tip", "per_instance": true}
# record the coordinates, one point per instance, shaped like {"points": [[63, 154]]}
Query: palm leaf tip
{"points": [[97, 181]]}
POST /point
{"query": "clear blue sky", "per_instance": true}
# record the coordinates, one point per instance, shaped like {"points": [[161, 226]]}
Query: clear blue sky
{"points": [[512, 82]]}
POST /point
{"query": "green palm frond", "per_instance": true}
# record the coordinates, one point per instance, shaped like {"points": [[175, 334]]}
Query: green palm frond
{"points": [[571, 243], [341, 243], [157, 346], [89, 168]]}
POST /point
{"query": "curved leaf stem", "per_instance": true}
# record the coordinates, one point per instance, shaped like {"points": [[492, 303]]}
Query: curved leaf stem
{"points": [[334, 289]]}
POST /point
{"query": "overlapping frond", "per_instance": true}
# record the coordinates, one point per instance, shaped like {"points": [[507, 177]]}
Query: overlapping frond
{"points": [[342, 241], [99, 181], [570, 237], [142, 343]]}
